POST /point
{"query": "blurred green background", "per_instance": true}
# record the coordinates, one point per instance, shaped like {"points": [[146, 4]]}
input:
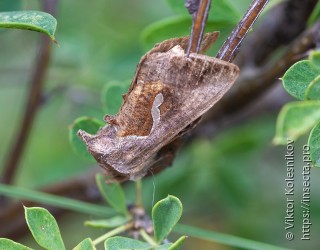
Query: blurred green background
{"points": [[233, 184]]}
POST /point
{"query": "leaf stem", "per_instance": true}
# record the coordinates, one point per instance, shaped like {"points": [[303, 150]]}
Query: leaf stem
{"points": [[225, 239], [139, 201], [147, 238], [111, 233]]}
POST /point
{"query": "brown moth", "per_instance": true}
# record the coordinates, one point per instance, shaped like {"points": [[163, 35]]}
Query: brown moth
{"points": [[169, 92]]}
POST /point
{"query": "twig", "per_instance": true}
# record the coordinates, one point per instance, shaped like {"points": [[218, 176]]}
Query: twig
{"points": [[199, 14], [36, 85], [230, 48], [253, 83]]}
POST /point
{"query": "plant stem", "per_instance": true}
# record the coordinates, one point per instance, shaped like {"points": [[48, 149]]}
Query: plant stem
{"points": [[230, 48], [139, 202], [199, 19], [36, 85], [111, 233], [147, 238]]}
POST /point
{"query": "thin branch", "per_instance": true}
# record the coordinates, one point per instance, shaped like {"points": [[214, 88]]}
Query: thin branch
{"points": [[34, 97], [252, 83], [199, 19], [230, 48]]}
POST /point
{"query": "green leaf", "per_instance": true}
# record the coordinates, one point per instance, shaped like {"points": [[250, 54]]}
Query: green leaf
{"points": [[54, 200], [7, 244], [225, 239], [295, 119], [118, 242], [221, 11], [314, 144], [113, 193], [86, 244], [112, 97], [178, 243], [177, 27], [10, 5], [298, 77], [44, 228], [87, 124], [314, 15], [107, 223], [313, 90], [165, 215], [29, 20], [315, 58]]}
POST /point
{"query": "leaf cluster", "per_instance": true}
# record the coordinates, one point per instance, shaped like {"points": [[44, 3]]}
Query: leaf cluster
{"points": [[302, 81]]}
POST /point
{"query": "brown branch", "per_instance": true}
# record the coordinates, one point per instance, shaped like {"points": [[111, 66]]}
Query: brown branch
{"points": [[230, 48], [199, 19], [34, 97], [255, 81]]}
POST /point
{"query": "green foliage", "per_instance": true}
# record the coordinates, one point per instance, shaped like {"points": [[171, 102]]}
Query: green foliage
{"points": [[54, 200], [44, 228], [87, 124], [7, 244], [112, 97], [295, 119], [302, 80], [29, 20], [314, 15], [112, 222], [113, 194], [86, 244], [165, 215], [223, 17], [221, 11], [297, 79], [9, 5], [118, 242], [177, 245], [225, 239], [314, 144]]}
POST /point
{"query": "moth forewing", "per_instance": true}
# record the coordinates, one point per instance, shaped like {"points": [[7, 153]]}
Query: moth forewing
{"points": [[169, 92]]}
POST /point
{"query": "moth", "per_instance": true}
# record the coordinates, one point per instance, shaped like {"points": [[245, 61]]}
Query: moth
{"points": [[168, 94]]}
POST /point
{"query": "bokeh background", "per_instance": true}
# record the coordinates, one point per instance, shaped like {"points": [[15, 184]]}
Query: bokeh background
{"points": [[233, 183]]}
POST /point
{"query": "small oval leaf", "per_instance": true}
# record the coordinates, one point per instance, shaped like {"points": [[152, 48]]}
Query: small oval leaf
{"points": [[178, 243], [107, 223], [29, 20], [87, 124], [295, 119], [113, 193], [7, 244], [118, 242], [44, 228], [314, 144], [165, 215], [298, 77], [112, 97], [86, 244]]}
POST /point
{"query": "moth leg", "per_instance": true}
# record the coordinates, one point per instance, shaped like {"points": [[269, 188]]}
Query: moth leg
{"points": [[199, 10]]}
